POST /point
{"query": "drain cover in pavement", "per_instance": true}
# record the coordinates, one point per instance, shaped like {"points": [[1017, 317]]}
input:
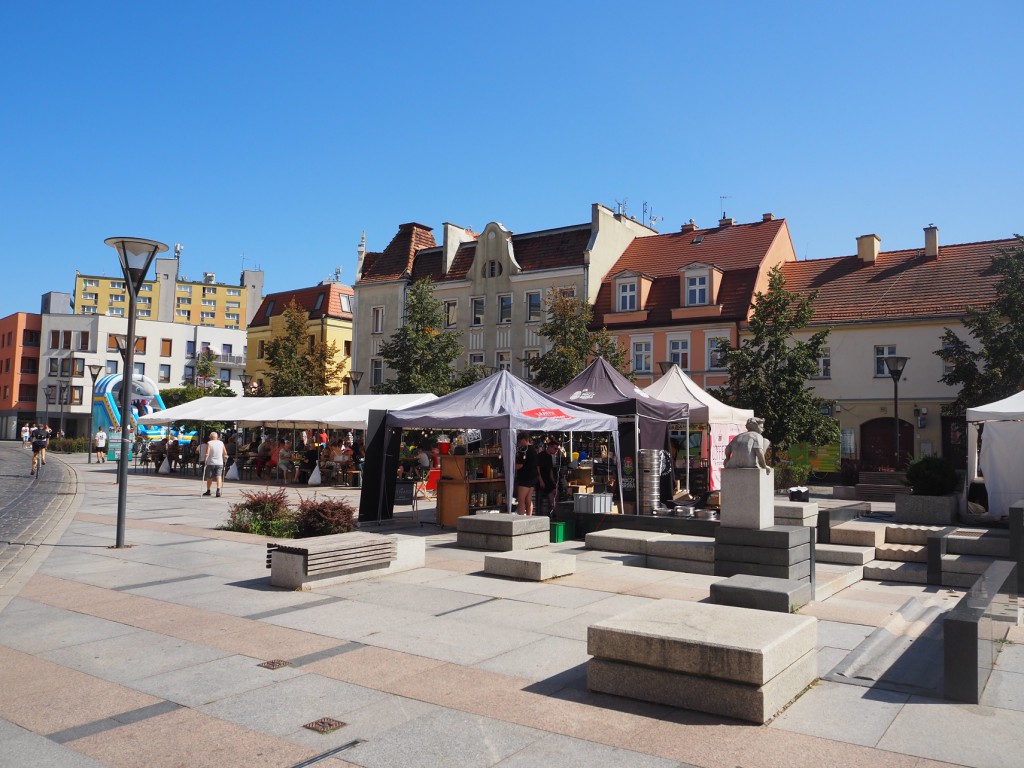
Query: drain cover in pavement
{"points": [[325, 725], [274, 664]]}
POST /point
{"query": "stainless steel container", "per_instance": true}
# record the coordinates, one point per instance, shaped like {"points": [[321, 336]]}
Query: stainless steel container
{"points": [[652, 464]]}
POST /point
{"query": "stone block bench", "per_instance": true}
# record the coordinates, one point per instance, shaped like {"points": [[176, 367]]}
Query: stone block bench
{"points": [[796, 513], [728, 661], [325, 560], [678, 552], [503, 532], [762, 593], [622, 540], [530, 566]]}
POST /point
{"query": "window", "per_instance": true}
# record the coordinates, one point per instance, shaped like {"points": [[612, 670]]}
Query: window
{"points": [[492, 269], [226, 349], [696, 290], [451, 313], [270, 308], [233, 292], [319, 302], [29, 365], [232, 317], [165, 347], [76, 395], [529, 356], [185, 289], [117, 285], [140, 369], [115, 311], [824, 364], [208, 291], [346, 303], [165, 373], [60, 339], [90, 283], [209, 303], [476, 359], [679, 352], [76, 367], [144, 313], [503, 361], [478, 306], [146, 301], [112, 366], [140, 345], [89, 296], [83, 341], [378, 320], [568, 291], [204, 347], [627, 296], [117, 298], [30, 338], [376, 371], [185, 313], [183, 302], [225, 375], [716, 356], [347, 348], [261, 349], [207, 315], [882, 352], [947, 368], [88, 310], [54, 339], [505, 308], [27, 392], [642, 356], [311, 341], [190, 373], [146, 287], [232, 305], [532, 306]]}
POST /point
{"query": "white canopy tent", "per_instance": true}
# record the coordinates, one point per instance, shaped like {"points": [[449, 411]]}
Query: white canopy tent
{"points": [[724, 421], [331, 411], [999, 458]]}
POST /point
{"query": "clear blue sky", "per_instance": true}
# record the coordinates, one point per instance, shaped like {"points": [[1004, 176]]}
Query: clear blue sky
{"points": [[282, 130]]}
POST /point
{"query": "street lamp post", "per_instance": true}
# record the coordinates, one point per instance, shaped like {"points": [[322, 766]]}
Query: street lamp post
{"points": [[94, 371], [355, 377], [65, 390], [246, 380], [895, 365], [51, 399], [135, 255]]}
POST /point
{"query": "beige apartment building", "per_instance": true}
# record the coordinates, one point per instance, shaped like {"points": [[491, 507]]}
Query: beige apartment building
{"points": [[173, 298], [492, 284]]}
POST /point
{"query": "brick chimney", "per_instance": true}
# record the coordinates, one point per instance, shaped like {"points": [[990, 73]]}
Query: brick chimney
{"points": [[725, 221], [867, 248], [690, 226], [931, 242], [767, 217]]}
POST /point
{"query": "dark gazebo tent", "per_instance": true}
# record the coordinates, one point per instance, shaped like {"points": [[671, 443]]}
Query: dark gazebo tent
{"points": [[501, 401], [643, 419]]}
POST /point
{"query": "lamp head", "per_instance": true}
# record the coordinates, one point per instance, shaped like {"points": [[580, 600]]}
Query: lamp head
{"points": [[135, 254], [895, 365]]}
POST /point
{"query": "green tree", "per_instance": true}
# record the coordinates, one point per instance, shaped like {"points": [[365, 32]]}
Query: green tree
{"points": [[298, 366], [993, 367], [421, 354], [573, 343], [179, 395], [769, 370]]}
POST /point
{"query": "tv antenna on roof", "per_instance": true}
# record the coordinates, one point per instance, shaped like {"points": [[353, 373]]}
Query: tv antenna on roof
{"points": [[721, 205], [649, 218], [178, 248], [622, 206]]}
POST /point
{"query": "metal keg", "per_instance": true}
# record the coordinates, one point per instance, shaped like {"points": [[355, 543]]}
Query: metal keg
{"points": [[652, 464]]}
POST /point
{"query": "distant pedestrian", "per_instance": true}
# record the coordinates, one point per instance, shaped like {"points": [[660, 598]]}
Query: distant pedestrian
{"points": [[526, 474], [25, 432], [99, 445], [214, 454]]}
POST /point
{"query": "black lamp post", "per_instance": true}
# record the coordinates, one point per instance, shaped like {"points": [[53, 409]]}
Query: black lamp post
{"points": [[51, 399], [246, 380], [895, 365], [135, 255], [94, 371], [65, 390], [355, 377]]}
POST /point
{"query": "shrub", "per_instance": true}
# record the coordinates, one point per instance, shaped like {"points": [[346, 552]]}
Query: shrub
{"points": [[265, 513], [69, 445], [322, 517], [932, 476], [789, 473]]}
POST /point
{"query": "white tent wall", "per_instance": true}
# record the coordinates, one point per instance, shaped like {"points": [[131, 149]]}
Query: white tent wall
{"points": [[1000, 463]]}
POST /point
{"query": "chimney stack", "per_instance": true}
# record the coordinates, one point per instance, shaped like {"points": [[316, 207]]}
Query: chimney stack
{"points": [[767, 217], [931, 242], [691, 226], [867, 248], [725, 221]]}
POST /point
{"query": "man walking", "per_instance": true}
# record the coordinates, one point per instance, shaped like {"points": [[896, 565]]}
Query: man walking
{"points": [[213, 457], [526, 474], [100, 445]]}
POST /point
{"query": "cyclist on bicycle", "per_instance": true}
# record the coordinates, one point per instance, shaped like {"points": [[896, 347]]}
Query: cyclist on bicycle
{"points": [[40, 438]]}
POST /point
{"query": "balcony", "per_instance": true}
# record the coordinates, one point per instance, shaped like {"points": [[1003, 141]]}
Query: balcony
{"points": [[225, 361]]}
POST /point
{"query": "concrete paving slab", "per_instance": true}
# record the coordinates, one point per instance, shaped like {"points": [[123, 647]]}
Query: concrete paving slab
{"points": [[348, 620], [373, 667], [847, 713], [19, 747], [560, 750], [64, 628], [513, 613], [561, 597], [1004, 690], [416, 597], [829, 658], [835, 634], [383, 719], [1010, 658], [447, 639], [214, 680], [542, 660], [479, 584]]}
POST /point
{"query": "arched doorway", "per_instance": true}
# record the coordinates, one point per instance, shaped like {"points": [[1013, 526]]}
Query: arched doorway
{"points": [[878, 444]]}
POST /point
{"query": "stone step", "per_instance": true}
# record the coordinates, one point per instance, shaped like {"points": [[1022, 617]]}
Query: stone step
{"points": [[910, 534], [868, 492], [883, 478], [973, 541], [972, 564], [858, 534], [832, 578], [907, 553], [622, 540], [843, 554], [888, 570]]}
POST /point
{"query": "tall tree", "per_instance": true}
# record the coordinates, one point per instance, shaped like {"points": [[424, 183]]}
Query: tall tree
{"points": [[421, 353], [993, 368], [769, 370], [298, 366], [573, 344]]}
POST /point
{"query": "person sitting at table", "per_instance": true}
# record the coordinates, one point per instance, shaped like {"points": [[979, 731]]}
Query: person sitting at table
{"points": [[264, 457], [284, 458], [308, 463], [173, 454]]}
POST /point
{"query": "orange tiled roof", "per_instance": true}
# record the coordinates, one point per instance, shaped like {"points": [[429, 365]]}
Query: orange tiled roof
{"points": [[547, 249], [899, 284], [306, 298], [737, 250], [397, 259]]}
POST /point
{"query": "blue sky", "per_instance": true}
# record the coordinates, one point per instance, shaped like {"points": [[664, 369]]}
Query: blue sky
{"points": [[282, 130]]}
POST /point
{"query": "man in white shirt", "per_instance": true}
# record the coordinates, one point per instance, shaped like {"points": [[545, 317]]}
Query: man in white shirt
{"points": [[100, 445], [213, 455]]}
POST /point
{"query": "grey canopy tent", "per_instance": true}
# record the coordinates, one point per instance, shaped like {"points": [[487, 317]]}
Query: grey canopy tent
{"points": [[502, 402]]}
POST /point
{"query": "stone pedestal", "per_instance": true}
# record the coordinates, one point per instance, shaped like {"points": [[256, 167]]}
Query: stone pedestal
{"points": [[748, 498]]}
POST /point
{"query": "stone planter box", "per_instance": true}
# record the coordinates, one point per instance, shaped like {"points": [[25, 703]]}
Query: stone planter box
{"points": [[927, 510]]}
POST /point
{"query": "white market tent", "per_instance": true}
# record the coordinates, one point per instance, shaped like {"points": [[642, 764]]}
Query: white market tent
{"points": [[331, 411], [724, 421], [1000, 457]]}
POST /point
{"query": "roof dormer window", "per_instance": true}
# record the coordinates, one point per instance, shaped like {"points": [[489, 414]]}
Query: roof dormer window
{"points": [[492, 268], [627, 296], [696, 289]]}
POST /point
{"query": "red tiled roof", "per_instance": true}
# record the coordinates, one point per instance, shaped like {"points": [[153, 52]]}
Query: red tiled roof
{"points": [[737, 250], [548, 249], [397, 259], [899, 283], [306, 298]]}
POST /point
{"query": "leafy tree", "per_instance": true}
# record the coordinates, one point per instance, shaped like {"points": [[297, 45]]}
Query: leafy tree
{"points": [[995, 369], [295, 366], [769, 370], [178, 395], [573, 344], [421, 353]]}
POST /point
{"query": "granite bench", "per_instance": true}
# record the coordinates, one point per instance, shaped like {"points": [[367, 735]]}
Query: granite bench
{"points": [[720, 659], [679, 552], [503, 532], [762, 593], [623, 540], [531, 566], [323, 560]]}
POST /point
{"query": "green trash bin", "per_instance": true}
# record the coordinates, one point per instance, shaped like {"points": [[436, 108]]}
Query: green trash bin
{"points": [[561, 531]]}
